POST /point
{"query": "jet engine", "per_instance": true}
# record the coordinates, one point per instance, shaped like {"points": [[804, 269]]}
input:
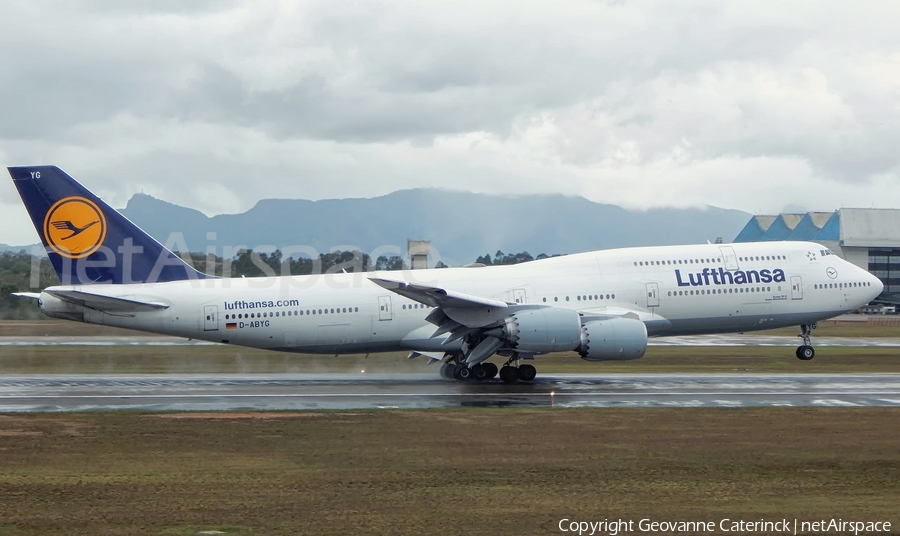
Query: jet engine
{"points": [[613, 339], [538, 331]]}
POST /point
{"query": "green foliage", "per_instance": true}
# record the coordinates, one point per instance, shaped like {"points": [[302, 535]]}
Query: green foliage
{"points": [[501, 258], [249, 263], [21, 272]]}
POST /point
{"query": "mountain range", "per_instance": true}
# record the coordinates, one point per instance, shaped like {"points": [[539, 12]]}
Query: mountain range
{"points": [[460, 225]]}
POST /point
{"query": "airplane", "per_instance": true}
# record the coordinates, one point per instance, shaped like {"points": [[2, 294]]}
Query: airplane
{"points": [[603, 305]]}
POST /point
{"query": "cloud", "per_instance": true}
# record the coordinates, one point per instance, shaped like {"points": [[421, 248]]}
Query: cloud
{"points": [[219, 104]]}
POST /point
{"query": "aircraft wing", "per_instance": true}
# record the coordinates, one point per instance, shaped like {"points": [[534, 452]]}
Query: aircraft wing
{"points": [[455, 312], [436, 296], [100, 302]]}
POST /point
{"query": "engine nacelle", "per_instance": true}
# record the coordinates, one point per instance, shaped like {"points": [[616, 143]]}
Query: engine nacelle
{"points": [[613, 339], [539, 331]]}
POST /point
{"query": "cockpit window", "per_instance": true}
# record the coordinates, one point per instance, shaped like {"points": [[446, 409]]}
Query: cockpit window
{"points": [[826, 252]]}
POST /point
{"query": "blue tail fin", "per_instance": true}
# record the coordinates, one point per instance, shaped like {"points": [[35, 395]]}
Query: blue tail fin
{"points": [[87, 241]]}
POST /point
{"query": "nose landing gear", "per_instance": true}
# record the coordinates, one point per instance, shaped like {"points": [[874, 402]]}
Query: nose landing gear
{"points": [[805, 351]]}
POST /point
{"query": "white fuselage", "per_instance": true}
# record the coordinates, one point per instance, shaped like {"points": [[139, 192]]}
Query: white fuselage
{"points": [[674, 290]]}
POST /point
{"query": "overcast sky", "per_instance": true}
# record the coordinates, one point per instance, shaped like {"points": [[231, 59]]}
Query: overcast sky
{"points": [[759, 106]]}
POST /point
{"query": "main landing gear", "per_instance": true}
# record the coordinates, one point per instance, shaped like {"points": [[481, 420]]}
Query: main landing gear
{"points": [[512, 371], [509, 373], [452, 370], [805, 351]]}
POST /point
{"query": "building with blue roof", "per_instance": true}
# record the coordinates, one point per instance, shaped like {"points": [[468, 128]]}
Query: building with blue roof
{"points": [[867, 237]]}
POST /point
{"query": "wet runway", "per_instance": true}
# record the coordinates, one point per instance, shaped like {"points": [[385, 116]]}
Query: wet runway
{"points": [[696, 340], [164, 392]]}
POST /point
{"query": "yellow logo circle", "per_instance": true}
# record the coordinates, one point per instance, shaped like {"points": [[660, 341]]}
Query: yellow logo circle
{"points": [[74, 227]]}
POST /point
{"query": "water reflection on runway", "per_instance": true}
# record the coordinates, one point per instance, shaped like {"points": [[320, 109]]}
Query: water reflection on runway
{"points": [[166, 392]]}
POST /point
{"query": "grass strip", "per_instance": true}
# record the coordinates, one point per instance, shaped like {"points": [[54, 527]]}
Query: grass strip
{"points": [[461, 471]]}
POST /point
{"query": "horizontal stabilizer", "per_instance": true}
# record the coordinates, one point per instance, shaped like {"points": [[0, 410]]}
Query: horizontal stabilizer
{"points": [[32, 295], [100, 302]]}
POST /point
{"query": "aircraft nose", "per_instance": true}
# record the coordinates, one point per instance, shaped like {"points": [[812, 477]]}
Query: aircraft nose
{"points": [[877, 286]]}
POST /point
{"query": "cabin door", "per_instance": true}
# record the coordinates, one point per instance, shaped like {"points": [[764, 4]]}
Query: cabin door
{"points": [[211, 320], [652, 294], [519, 295], [796, 287], [384, 308], [729, 258]]}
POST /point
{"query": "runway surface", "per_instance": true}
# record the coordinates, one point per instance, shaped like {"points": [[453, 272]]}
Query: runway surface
{"points": [[366, 391], [696, 340]]}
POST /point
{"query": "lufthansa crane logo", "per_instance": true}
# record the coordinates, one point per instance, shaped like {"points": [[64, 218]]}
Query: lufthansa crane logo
{"points": [[74, 227]]}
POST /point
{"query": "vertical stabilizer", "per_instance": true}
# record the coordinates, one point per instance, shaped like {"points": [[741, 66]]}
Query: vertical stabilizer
{"points": [[86, 240]]}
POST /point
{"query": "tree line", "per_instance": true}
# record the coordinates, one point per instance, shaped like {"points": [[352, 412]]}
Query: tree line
{"points": [[23, 272], [501, 258]]}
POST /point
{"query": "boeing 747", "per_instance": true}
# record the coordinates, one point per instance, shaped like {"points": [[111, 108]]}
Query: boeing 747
{"points": [[603, 305]]}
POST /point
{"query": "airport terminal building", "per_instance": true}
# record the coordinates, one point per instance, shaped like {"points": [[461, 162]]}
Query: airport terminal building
{"points": [[867, 237]]}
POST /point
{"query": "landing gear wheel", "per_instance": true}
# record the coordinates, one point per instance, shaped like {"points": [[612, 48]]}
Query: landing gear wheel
{"points": [[480, 372], [491, 370], [509, 374], [805, 351], [462, 372], [447, 371], [527, 373]]}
